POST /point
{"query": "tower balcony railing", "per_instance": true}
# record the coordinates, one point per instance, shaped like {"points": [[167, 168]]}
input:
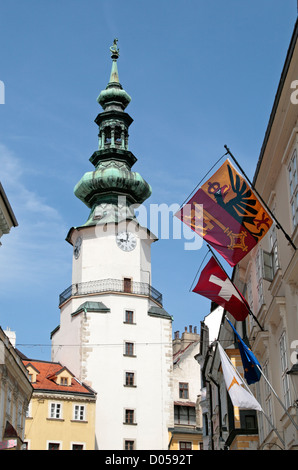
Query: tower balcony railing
{"points": [[102, 286]]}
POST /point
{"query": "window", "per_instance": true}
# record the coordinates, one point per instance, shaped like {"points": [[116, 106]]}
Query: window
{"points": [[129, 379], [129, 417], [185, 415], [129, 349], [183, 390], [56, 411], [129, 445], [53, 446], [259, 268], [63, 381], [293, 184], [77, 447], [250, 422], [284, 369], [270, 259], [129, 317], [20, 415], [79, 412], [185, 445], [8, 401]]}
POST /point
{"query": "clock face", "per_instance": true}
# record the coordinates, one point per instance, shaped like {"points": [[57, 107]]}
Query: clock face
{"points": [[77, 247], [126, 241]]}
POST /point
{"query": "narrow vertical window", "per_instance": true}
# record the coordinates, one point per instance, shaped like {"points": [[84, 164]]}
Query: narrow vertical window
{"points": [[129, 416], [79, 412], [56, 411], [183, 390], [129, 379], [129, 317], [293, 185], [129, 349], [129, 445], [284, 369]]}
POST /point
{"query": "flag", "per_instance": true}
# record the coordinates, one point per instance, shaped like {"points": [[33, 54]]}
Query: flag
{"points": [[239, 394], [251, 373], [215, 284], [227, 214]]}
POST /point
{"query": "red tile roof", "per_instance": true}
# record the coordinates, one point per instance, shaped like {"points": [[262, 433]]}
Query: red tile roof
{"points": [[45, 380]]}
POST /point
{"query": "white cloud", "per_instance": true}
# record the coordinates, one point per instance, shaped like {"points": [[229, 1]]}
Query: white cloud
{"points": [[33, 252]]}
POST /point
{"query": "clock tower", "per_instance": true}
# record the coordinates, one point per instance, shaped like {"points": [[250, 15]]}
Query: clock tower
{"points": [[114, 333]]}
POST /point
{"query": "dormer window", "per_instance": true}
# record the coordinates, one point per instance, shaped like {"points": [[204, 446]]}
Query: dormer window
{"points": [[64, 381], [32, 373]]}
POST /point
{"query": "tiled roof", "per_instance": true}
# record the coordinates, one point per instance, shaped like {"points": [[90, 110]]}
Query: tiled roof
{"points": [[46, 378]]}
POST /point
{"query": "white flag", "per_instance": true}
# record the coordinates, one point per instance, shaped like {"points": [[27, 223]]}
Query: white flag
{"points": [[239, 395]]}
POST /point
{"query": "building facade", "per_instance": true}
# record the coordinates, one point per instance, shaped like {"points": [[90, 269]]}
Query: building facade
{"points": [[111, 315], [187, 431], [15, 394], [269, 274], [268, 278], [61, 413]]}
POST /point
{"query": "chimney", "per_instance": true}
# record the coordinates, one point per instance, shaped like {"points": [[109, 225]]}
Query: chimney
{"points": [[11, 336]]}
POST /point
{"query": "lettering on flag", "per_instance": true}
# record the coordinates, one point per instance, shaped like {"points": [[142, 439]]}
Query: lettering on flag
{"points": [[233, 220]]}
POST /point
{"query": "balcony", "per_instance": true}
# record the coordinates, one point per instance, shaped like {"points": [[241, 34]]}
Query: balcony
{"points": [[103, 286]]}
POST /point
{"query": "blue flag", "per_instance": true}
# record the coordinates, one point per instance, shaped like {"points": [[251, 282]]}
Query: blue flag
{"points": [[249, 360]]}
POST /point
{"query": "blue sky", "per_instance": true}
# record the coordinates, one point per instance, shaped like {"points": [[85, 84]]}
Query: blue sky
{"points": [[201, 75]]}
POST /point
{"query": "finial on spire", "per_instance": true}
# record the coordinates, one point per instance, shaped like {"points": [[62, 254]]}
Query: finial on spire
{"points": [[114, 50]]}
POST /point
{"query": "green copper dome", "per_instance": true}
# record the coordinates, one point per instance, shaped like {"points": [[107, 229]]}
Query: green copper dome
{"points": [[112, 180]]}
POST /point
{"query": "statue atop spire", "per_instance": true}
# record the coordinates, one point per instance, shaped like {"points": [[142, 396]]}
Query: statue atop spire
{"points": [[114, 50]]}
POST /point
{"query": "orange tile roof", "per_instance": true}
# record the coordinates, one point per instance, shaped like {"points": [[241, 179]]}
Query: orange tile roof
{"points": [[46, 378]]}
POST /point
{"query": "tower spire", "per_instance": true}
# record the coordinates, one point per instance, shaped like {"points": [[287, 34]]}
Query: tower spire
{"points": [[112, 179], [114, 77]]}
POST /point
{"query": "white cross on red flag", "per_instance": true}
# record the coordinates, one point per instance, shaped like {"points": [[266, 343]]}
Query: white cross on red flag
{"points": [[215, 284]]}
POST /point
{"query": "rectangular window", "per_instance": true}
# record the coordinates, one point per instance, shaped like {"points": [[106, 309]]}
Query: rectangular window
{"points": [[129, 349], [129, 379], [129, 445], [77, 447], [183, 390], [129, 416], [129, 317], [284, 369], [56, 411], [185, 415], [293, 184], [259, 267], [185, 445], [53, 446], [79, 413]]}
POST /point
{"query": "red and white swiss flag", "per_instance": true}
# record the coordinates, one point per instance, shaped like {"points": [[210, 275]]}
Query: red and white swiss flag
{"points": [[215, 284]]}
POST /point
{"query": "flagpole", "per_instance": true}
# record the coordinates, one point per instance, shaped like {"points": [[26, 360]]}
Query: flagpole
{"points": [[253, 187], [279, 400], [249, 310], [203, 178], [249, 391], [198, 271]]}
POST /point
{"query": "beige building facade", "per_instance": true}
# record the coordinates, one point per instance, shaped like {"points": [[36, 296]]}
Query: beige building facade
{"points": [[187, 431], [268, 275], [15, 394]]}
